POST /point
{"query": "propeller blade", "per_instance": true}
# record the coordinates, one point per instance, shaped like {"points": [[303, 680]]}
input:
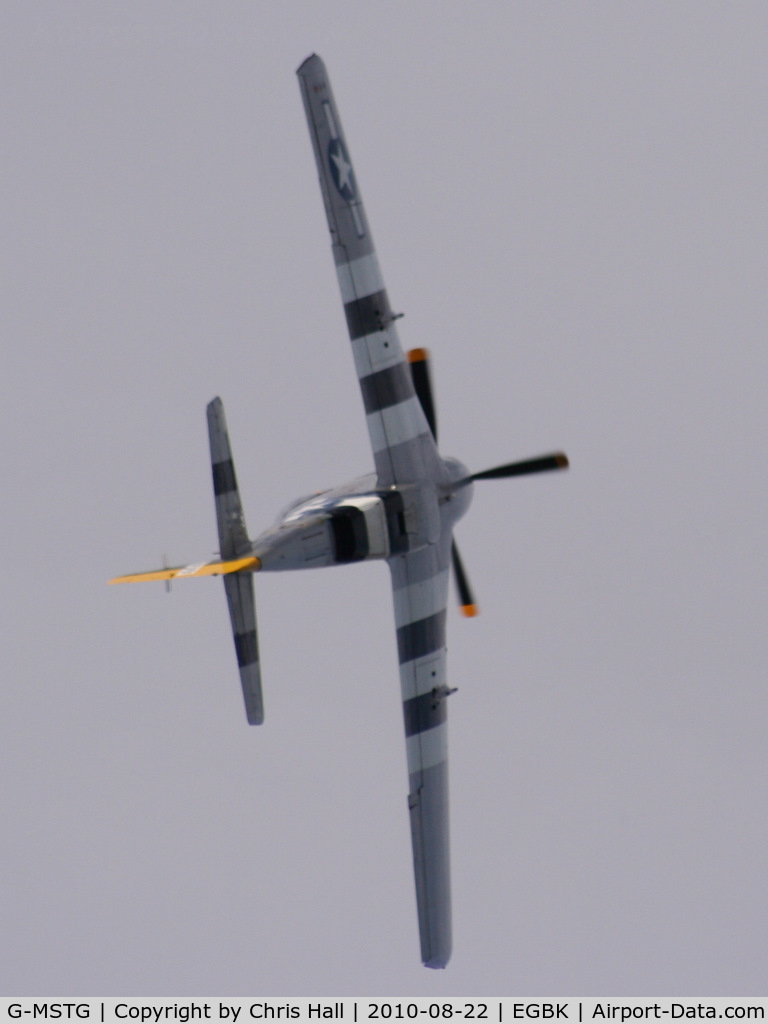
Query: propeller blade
{"points": [[466, 597], [543, 464], [418, 363]]}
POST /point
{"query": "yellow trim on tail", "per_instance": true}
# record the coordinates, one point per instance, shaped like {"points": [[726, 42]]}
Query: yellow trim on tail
{"points": [[215, 568]]}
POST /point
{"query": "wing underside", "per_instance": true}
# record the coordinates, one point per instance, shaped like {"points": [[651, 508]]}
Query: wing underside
{"points": [[404, 452], [403, 446], [420, 591]]}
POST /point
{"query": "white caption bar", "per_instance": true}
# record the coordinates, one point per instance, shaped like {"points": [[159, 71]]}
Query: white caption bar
{"points": [[358, 1009]]}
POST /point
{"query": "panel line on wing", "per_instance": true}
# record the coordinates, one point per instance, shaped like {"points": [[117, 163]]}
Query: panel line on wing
{"points": [[422, 675], [396, 424], [427, 749], [360, 277], [374, 352], [424, 636], [368, 314], [424, 711], [383, 388], [421, 599]]}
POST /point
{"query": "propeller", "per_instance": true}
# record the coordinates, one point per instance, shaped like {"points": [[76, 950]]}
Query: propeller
{"points": [[467, 602], [418, 363], [541, 464]]}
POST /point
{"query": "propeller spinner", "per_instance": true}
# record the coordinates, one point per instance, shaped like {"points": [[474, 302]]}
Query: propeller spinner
{"points": [[418, 362]]}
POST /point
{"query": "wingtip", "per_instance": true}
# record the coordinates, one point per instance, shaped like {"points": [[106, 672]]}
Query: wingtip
{"points": [[312, 58], [438, 962]]}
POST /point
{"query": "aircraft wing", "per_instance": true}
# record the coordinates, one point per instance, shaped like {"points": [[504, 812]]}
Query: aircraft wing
{"points": [[420, 590], [403, 447]]}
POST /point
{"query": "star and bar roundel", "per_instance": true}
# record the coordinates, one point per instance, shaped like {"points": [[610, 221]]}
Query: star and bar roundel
{"points": [[341, 169]]}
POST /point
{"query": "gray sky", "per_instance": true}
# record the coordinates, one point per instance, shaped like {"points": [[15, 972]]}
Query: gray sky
{"points": [[569, 204]]}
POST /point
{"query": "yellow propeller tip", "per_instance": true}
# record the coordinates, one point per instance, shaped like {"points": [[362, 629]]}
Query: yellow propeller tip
{"points": [[470, 610], [418, 355]]}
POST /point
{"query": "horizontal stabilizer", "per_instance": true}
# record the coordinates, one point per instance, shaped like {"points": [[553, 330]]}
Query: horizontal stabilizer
{"points": [[233, 542], [242, 613], [214, 568], [233, 536]]}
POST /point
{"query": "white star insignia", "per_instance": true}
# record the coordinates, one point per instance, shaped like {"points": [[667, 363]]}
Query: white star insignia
{"points": [[343, 169]]}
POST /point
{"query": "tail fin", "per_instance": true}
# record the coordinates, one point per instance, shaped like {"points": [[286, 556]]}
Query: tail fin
{"points": [[234, 544]]}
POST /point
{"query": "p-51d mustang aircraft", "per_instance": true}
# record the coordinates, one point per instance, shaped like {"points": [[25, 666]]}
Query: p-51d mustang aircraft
{"points": [[403, 513]]}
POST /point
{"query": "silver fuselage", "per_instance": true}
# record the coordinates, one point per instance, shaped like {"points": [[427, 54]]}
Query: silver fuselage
{"points": [[359, 521]]}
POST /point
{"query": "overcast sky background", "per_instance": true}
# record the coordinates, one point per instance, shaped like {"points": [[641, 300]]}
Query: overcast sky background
{"points": [[569, 204]]}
